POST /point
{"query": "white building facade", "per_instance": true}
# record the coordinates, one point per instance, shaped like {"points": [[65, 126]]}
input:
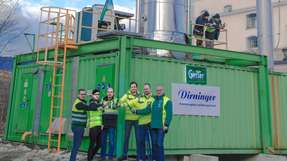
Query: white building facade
{"points": [[240, 19]]}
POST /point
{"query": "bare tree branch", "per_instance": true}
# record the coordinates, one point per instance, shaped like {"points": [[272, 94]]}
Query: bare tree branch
{"points": [[11, 39], [7, 20], [10, 26]]}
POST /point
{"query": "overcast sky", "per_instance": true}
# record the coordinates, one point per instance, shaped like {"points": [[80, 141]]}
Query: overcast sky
{"points": [[28, 16]]}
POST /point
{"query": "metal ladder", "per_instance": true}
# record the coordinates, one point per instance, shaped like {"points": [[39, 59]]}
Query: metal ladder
{"points": [[59, 38]]}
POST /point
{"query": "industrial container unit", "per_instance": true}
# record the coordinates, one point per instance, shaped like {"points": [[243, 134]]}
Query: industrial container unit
{"points": [[246, 124], [248, 116]]}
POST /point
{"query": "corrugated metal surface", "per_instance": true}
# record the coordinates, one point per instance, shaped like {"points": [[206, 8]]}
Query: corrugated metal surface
{"points": [[87, 69], [87, 76], [22, 118], [278, 85], [238, 124], [46, 103], [19, 111]]}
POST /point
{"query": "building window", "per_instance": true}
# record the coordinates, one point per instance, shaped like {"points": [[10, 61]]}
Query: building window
{"points": [[251, 21], [227, 8], [252, 42]]}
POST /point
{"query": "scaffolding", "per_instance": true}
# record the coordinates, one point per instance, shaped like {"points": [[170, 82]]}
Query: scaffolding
{"points": [[56, 36]]}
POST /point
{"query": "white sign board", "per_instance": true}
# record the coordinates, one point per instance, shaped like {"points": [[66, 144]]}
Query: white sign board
{"points": [[195, 100]]}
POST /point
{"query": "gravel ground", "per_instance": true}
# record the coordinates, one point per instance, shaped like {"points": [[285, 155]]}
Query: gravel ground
{"points": [[11, 151], [20, 152]]}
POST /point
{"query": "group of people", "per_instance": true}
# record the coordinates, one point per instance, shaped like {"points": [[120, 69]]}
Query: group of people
{"points": [[207, 29], [149, 115]]}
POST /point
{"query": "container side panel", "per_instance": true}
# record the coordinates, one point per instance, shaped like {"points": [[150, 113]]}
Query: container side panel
{"points": [[237, 127]]}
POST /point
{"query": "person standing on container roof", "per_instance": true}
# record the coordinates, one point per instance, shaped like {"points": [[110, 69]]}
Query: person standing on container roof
{"points": [[131, 119], [110, 116], [213, 30], [219, 25], [198, 30], [79, 121], [161, 116], [144, 121], [95, 124]]}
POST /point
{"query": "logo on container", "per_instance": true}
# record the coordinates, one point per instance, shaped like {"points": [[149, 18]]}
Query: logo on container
{"points": [[195, 74], [196, 96]]}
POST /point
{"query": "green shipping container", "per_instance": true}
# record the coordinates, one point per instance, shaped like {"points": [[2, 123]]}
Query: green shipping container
{"points": [[278, 93], [248, 123]]}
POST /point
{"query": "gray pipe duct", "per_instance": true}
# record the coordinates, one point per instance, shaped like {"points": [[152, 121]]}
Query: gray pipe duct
{"points": [[264, 29]]}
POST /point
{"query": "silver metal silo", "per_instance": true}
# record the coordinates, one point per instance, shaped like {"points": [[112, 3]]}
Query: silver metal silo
{"points": [[164, 20]]}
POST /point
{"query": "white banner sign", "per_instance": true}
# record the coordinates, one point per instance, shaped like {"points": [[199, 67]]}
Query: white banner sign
{"points": [[195, 100]]}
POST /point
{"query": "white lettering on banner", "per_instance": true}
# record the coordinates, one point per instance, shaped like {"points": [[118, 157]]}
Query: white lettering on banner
{"points": [[196, 100]]}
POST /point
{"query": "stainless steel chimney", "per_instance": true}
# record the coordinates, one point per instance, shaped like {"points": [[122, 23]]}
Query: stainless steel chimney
{"points": [[264, 29], [164, 20]]}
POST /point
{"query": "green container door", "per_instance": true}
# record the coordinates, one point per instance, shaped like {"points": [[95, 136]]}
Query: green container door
{"points": [[105, 78], [25, 105], [96, 72]]}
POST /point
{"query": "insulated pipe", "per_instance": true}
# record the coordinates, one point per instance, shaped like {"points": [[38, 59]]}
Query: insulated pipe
{"points": [[25, 134], [264, 29], [138, 16]]}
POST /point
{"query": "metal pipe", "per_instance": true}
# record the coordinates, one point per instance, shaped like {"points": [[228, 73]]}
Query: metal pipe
{"points": [[264, 29], [165, 20], [188, 17], [138, 16], [25, 134]]}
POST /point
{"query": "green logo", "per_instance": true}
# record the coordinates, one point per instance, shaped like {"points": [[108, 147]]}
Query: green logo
{"points": [[196, 75]]}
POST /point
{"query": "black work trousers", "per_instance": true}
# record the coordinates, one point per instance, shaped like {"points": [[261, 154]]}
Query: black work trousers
{"points": [[95, 135]]}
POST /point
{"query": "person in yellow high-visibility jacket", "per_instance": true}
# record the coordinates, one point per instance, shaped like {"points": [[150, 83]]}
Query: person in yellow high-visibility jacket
{"points": [[131, 119], [161, 116], [144, 120], [95, 124], [79, 121]]}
